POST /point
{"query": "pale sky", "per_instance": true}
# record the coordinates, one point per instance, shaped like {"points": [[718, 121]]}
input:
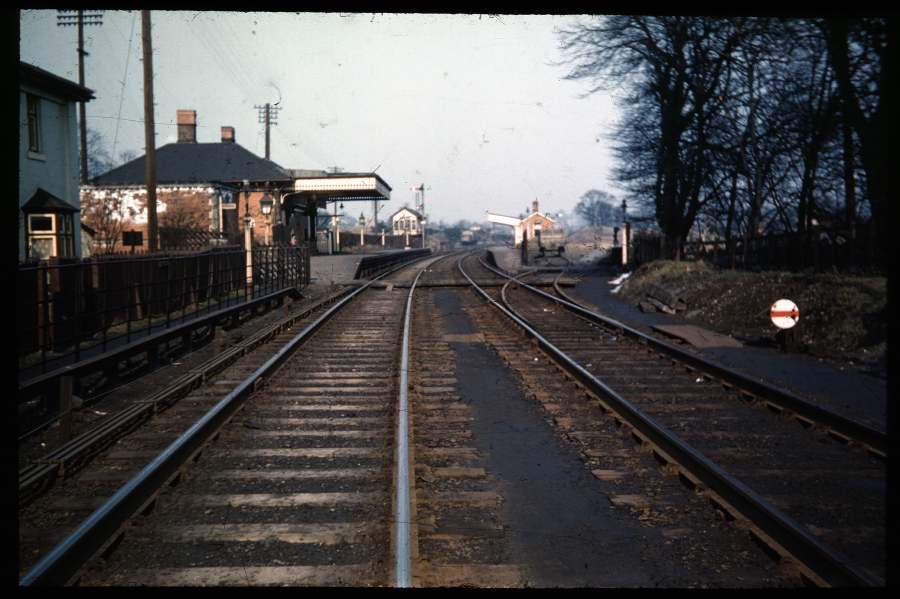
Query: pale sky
{"points": [[472, 107]]}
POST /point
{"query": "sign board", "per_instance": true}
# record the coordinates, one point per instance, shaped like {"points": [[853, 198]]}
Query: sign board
{"points": [[132, 238], [784, 314]]}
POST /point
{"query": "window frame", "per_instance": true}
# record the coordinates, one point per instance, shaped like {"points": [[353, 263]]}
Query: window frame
{"points": [[33, 112], [62, 233]]}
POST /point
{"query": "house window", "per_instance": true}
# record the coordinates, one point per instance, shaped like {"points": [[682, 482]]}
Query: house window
{"points": [[34, 123], [50, 235]]}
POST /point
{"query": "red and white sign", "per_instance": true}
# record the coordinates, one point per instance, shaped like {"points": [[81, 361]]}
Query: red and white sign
{"points": [[784, 314]]}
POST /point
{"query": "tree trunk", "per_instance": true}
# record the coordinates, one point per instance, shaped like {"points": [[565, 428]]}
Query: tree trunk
{"points": [[849, 183], [873, 138]]}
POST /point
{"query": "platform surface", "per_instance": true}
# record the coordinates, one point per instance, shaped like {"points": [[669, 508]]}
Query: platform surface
{"points": [[697, 336]]}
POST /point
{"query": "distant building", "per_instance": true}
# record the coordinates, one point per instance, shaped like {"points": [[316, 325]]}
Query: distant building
{"points": [[406, 220], [48, 164], [533, 224]]}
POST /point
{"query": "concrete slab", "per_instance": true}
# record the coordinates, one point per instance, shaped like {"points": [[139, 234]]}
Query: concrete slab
{"points": [[697, 336]]}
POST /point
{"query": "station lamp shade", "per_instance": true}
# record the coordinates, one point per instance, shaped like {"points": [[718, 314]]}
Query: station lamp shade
{"points": [[266, 204], [362, 219]]}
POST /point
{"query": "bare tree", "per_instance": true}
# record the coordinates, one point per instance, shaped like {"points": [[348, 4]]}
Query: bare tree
{"points": [[858, 49], [598, 208], [672, 70], [108, 217]]}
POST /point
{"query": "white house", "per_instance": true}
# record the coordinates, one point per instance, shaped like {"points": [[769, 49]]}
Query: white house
{"points": [[49, 207], [406, 220]]}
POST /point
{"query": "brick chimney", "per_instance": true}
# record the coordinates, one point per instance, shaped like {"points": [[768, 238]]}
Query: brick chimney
{"points": [[534, 205], [187, 126], [228, 135]]}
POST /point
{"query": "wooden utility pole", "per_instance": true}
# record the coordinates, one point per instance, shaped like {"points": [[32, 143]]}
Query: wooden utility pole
{"points": [[268, 116], [80, 20], [149, 134]]}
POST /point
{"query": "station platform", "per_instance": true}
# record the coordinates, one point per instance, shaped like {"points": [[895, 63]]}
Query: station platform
{"points": [[843, 390], [507, 258], [339, 269]]}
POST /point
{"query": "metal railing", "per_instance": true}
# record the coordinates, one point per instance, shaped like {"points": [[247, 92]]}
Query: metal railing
{"points": [[67, 310]]}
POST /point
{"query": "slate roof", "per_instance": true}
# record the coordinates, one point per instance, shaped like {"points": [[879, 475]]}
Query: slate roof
{"points": [[198, 163], [53, 83]]}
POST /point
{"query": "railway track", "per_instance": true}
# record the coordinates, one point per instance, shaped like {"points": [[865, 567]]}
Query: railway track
{"points": [[814, 493], [360, 450], [154, 456]]}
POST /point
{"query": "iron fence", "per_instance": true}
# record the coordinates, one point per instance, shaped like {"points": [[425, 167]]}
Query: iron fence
{"points": [[70, 309], [818, 249]]}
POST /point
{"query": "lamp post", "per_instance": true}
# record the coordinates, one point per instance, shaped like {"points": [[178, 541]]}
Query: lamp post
{"points": [[362, 229], [265, 206]]}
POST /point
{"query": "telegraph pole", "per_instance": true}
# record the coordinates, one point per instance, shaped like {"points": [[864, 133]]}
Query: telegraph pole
{"points": [[268, 116], [149, 133], [80, 19]]}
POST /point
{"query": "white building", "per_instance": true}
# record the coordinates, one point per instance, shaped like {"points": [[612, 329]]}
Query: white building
{"points": [[406, 220], [49, 207]]}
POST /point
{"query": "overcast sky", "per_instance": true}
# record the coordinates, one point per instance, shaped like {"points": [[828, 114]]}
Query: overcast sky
{"points": [[472, 107]]}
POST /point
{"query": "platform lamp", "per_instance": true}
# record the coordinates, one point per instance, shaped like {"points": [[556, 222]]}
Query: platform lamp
{"points": [[362, 229], [265, 206]]}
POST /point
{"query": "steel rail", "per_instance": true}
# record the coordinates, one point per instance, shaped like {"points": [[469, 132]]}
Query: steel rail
{"points": [[67, 458], [838, 426], [402, 528], [825, 566], [63, 563]]}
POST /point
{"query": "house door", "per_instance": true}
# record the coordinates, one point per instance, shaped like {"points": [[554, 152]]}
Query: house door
{"points": [[230, 222]]}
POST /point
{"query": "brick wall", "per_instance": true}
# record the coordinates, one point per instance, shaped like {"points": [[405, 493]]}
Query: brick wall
{"points": [[110, 211]]}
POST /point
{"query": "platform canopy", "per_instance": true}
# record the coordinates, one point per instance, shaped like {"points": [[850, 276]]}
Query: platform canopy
{"points": [[342, 187]]}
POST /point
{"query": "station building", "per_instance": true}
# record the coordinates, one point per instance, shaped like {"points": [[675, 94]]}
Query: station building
{"points": [[217, 188]]}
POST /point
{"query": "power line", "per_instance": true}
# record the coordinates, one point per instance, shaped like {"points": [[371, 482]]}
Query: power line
{"points": [[124, 78]]}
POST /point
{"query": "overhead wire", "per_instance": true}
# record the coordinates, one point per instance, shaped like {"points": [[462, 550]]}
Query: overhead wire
{"points": [[124, 78]]}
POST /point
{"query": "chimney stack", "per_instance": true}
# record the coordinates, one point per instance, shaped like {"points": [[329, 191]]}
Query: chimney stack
{"points": [[534, 205], [228, 135], [187, 126]]}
